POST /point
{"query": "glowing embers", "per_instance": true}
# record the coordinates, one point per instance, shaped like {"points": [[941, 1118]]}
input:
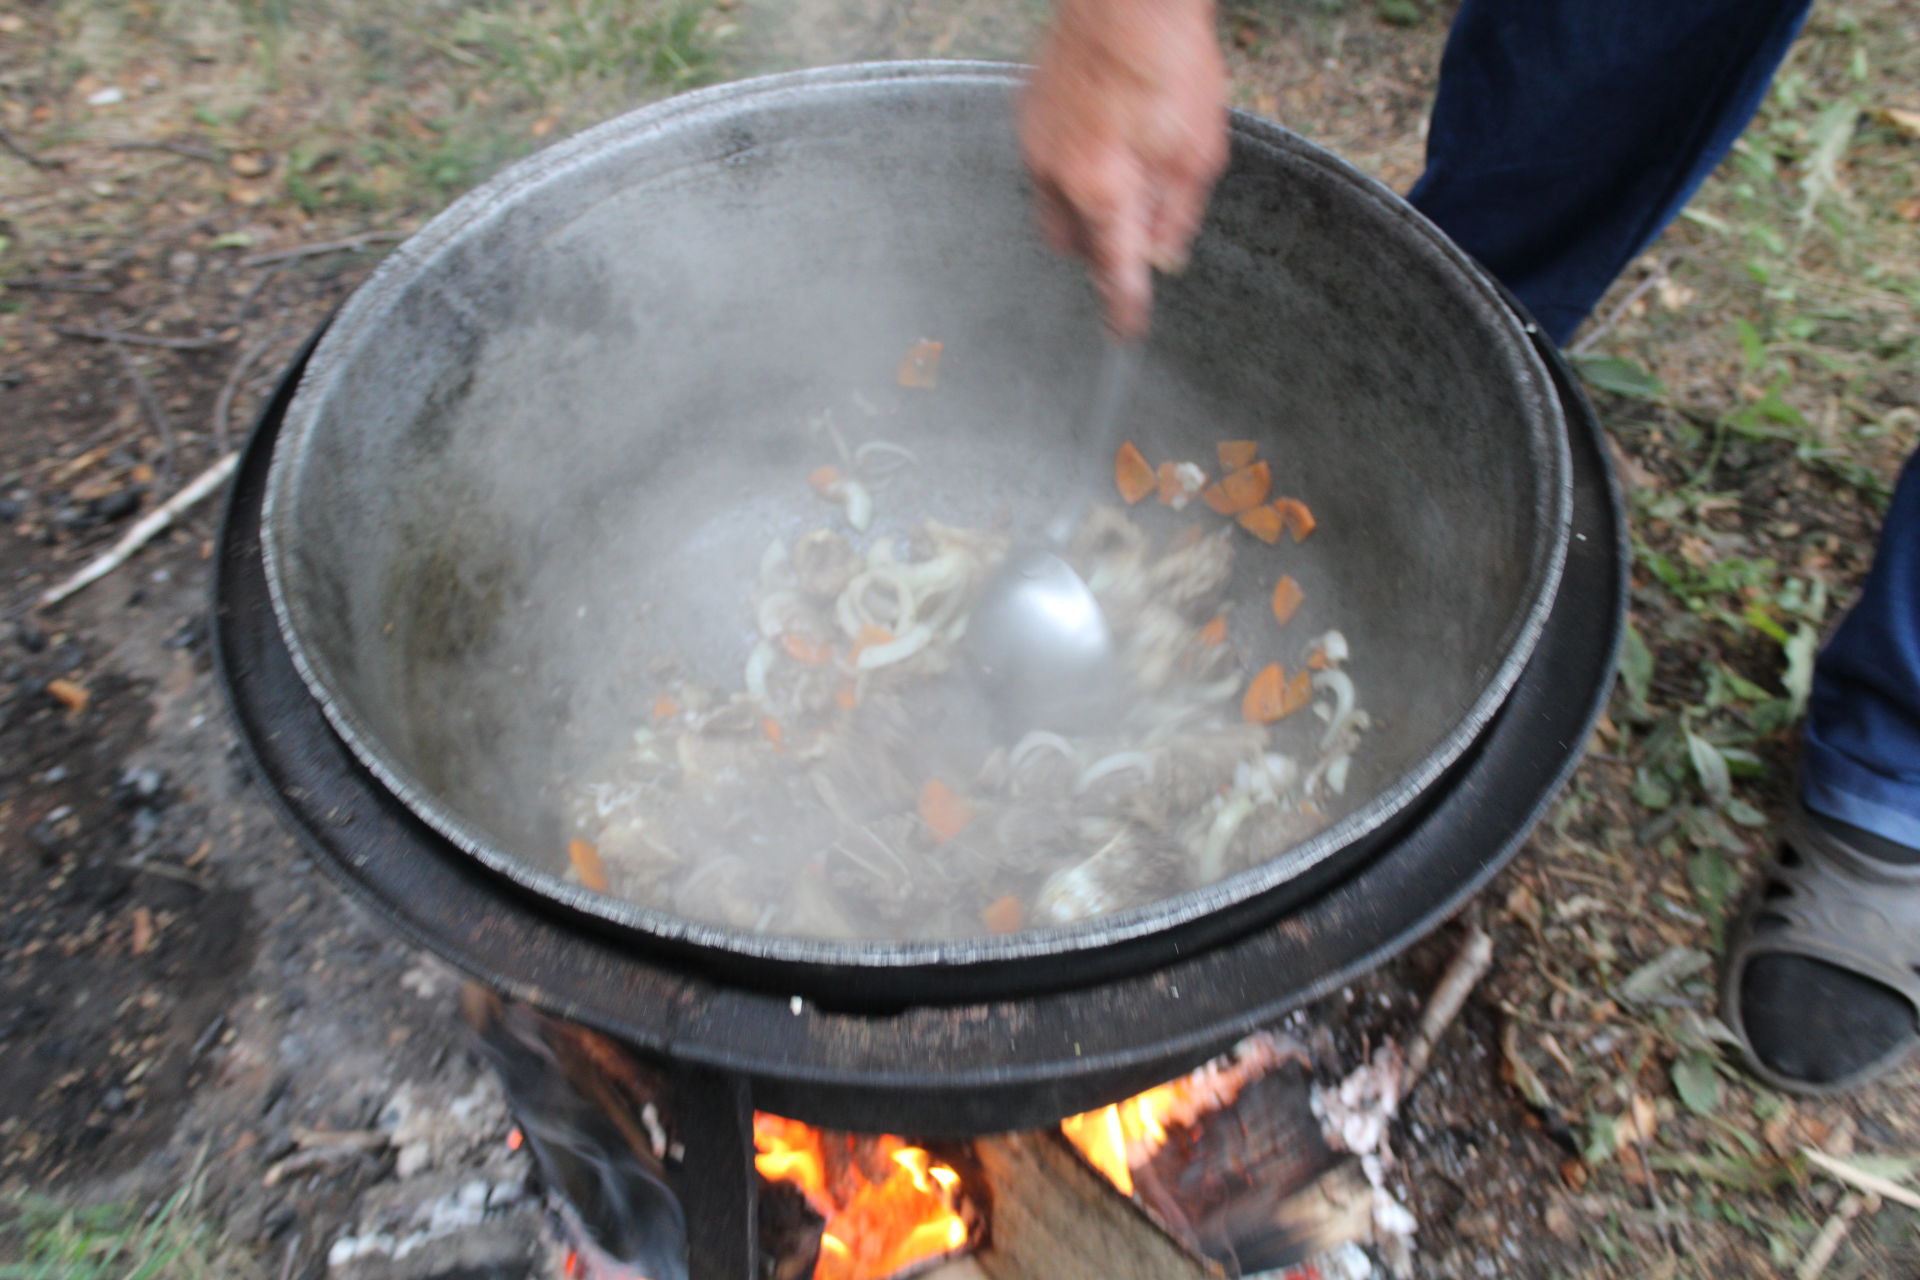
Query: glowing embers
{"points": [[889, 1207]]}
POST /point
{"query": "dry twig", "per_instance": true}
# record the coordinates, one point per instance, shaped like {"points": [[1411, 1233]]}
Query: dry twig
{"points": [[13, 144], [253, 295], [206, 343], [1660, 272], [186, 149], [1827, 1243], [1470, 964], [140, 534], [223, 405], [1885, 1188], [150, 402], [45, 284], [360, 241]]}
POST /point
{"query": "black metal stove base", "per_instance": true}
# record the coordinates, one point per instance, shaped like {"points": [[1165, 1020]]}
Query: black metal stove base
{"points": [[940, 1069]]}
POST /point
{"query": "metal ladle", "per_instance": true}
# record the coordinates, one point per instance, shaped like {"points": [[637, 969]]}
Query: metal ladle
{"points": [[1038, 637]]}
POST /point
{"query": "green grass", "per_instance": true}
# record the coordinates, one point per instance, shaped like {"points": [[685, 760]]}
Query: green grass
{"points": [[48, 1240], [386, 106]]}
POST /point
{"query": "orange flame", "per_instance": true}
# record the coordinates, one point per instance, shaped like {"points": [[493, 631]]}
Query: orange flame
{"points": [[873, 1228], [1118, 1139]]}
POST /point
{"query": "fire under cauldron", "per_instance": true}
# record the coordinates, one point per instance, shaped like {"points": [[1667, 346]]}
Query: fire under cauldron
{"points": [[1321, 313]]}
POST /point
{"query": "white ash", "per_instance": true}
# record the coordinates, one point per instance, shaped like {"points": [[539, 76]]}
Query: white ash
{"points": [[1355, 1116]]}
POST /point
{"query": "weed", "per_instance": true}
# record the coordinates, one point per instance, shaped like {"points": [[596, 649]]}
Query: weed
{"points": [[53, 1241]]}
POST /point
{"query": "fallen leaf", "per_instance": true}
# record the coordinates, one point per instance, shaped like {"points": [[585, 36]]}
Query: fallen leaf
{"points": [[70, 694], [1697, 1083], [1902, 119], [250, 164], [1909, 209]]}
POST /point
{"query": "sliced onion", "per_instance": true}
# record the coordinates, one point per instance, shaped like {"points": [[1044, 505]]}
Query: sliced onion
{"points": [[873, 657], [1118, 762], [779, 611], [1226, 824], [1038, 740], [859, 504], [1337, 773], [773, 560], [759, 662], [878, 459], [1340, 685], [1282, 771], [1333, 647], [851, 609]]}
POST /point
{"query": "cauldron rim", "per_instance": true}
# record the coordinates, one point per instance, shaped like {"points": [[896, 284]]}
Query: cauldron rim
{"points": [[1193, 917]]}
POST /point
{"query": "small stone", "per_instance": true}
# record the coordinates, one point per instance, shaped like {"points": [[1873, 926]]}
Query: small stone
{"points": [[116, 506], [414, 1158]]}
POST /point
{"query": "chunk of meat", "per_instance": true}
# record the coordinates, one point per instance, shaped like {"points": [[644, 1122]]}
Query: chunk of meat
{"points": [[824, 563], [1134, 865]]}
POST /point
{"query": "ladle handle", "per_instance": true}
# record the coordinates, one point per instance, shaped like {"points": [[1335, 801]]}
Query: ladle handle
{"points": [[1097, 436]]}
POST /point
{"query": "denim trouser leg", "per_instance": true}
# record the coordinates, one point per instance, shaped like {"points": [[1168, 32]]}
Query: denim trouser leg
{"points": [[1861, 757], [1568, 133]]}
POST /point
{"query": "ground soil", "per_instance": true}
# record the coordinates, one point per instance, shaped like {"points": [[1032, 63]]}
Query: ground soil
{"points": [[183, 1000]]}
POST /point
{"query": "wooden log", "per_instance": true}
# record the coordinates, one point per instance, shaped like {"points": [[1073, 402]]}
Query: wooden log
{"points": [[1053, 1216]]}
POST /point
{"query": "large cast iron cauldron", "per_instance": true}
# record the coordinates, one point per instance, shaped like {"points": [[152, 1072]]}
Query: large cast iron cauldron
{"points": [[972, 1066], [558, 428]]}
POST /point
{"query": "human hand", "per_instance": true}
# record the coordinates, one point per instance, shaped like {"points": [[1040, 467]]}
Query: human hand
{"points": [[1124, 129]]}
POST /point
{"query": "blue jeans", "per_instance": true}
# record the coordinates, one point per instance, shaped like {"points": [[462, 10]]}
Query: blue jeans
{"points": [[1566, 135]]}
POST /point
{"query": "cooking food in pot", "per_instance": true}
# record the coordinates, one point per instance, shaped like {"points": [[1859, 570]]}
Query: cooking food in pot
{"points": [[849, 786]]}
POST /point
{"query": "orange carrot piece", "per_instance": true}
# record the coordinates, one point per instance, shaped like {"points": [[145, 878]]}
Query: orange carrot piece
{"points": [[846, 697], [1271, 696], [1240, 490], [665, 707], [1003, 915], [1131, 474], [587, 865], [775, 734], [1286, 599], [1214, 634], [1235, 454], [920, 367], [1317, 658], [1299, 693], [825, 481], [1264, 700], [805, 649], [1262, 522], [944, 810], [1294, 514]]}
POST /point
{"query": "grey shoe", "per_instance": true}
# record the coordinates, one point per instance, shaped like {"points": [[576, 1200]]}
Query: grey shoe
{"points": [[1826, 900]]}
